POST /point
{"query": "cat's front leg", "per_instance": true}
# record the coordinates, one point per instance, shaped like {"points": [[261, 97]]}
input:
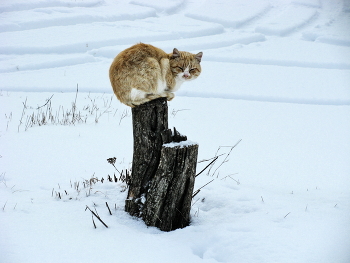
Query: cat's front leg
{"points": [[165, 94], [170, 96]]}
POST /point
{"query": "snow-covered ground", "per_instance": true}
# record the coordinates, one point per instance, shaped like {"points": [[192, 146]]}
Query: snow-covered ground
{"points": [[276, 74]]}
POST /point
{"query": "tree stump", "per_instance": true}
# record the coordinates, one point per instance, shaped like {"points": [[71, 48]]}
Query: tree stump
{"points": [[163, 169]]}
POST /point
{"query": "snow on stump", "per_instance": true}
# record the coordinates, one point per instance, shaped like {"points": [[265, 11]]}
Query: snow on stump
{"points": [[163, 169]]}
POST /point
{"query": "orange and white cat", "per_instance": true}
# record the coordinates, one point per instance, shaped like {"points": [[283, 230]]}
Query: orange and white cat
{"points": [[143, 72]]}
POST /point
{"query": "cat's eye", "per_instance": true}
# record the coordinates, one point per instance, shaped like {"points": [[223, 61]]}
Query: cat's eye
{"points": [[192, 69], [181, 68]]}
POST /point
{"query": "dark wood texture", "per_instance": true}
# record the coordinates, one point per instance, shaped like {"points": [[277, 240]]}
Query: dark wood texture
{"points": [[168, 203], [149, 121], [163, 169]]}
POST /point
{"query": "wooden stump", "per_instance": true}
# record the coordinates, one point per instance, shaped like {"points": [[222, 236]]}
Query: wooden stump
{"points": [[163, 169], [149, 121], [168, 203]]}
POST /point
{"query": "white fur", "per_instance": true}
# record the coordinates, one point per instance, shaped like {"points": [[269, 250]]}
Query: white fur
{"points": [[161, 86], [180, 77], [178, 82], [187, 71], [136, 94]]}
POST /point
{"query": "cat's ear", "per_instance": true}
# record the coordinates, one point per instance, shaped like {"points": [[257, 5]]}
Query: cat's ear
{"points": [[176, 53], [199, 56]]}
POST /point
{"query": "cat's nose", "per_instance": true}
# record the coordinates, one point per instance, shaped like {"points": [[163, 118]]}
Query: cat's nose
{"points": [[186, 75]]}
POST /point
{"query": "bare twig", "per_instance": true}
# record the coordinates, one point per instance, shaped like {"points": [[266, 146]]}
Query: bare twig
{"points": [[215, 158], [74, 106], [124, 114], [3, 208], [92, 217], [195, 202], [174, 112], [47, 101], [108, 209], [287, 215], [199, 189], [24, 108], [225, 160], [197, 212], [229, 176], [96, 216], [206, 160], [112, 162]]}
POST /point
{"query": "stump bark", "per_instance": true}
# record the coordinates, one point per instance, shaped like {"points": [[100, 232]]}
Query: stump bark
{"points": [[163, 169]]}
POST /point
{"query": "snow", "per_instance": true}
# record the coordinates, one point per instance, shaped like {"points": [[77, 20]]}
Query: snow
{"points": [[41, 16], [228, 14], [287, 22], [276, 74], [169, 6], [179, 144], [50, 40]]}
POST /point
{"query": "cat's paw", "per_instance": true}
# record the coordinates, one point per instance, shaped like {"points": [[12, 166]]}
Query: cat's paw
{"points": [[170, 96]]}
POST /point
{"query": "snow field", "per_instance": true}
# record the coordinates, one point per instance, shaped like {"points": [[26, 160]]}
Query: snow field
{"points": [[310, 87], [231, 15], [89, 49], [49, 39], [43, 16], [273, 197], [161, 6], [275, 73]]}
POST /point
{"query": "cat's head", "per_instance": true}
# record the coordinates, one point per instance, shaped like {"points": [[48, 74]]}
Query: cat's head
{"points": [[185, 65]]}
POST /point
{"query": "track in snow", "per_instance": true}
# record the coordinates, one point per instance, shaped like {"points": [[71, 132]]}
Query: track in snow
{"points": [[68, 41]]}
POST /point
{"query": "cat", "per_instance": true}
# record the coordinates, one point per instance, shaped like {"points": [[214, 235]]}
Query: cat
{"points": [[143, 73]]}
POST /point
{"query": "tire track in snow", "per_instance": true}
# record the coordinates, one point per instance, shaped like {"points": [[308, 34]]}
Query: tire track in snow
{"points": [[188, 44], [67, 16], [42, 61], [325, 102], [309, 3], [282, 63], [231, 15], [82, 38], [169, 7], [250, 18], [27, 5], [287, 22]]}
